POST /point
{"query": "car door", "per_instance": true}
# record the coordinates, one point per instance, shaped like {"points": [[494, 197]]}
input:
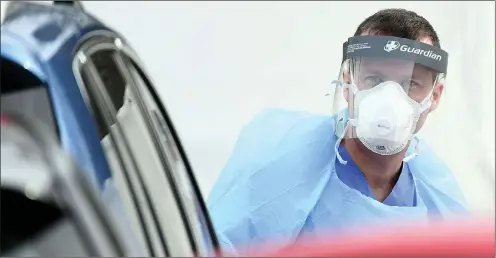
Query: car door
{"points": [[151, 179], [48, 205]]}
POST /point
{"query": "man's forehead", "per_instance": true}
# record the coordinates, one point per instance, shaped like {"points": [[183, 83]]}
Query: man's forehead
{"points": [[426, 40], [386, 64], [393, 67]]}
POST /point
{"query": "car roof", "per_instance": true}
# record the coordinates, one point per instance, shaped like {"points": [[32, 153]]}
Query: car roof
{"points": [[39, 36]]}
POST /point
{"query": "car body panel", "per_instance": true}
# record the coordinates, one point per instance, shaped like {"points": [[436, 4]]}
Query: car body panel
{"points": [[460, 237], [50, 58]]}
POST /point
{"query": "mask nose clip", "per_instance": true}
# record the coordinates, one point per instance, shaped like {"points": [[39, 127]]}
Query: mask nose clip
{"points": [[415, 153]]}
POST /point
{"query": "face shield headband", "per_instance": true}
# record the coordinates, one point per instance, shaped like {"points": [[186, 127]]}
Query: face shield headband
{"points": [[389, 47]]}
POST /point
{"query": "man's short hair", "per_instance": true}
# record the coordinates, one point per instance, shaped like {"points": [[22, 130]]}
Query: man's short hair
{"points": [[399, 23]]}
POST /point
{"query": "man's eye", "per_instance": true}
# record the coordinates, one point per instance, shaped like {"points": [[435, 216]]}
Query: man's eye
{"points": [[373, 80], [411, 84]]}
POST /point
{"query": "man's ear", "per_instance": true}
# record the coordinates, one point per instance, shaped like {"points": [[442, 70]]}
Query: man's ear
{"points": [[436, 95], [346, 77]]}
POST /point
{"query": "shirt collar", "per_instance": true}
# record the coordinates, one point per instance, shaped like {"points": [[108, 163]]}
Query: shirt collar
{"points": [[403, 193]]}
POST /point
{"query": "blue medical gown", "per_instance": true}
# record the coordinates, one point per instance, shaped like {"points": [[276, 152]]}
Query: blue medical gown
{"points": [[281, 184]]}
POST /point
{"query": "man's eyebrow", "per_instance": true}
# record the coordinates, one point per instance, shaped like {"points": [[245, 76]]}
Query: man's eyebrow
{"points": [[410, 77], [419, 81]]}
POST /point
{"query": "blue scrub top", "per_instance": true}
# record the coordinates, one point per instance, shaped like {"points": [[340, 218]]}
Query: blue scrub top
{"points": [[402, 195]]}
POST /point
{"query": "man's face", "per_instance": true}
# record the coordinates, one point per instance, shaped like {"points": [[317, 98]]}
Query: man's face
{"points": [[417, 80]]}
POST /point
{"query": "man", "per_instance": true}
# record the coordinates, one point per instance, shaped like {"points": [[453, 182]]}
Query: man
{"points": [[294, 174]]}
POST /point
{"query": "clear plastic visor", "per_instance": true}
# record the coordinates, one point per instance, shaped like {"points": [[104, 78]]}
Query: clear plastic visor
{"points": [[392, 85]]}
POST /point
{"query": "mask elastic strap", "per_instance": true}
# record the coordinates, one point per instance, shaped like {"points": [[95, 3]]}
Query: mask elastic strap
{"points": [[352, 86], [415, 153], [424, 105], [354, 89], [338, 142]]}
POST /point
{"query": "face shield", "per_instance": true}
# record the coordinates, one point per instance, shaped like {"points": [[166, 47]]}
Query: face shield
{"points": [[385, 85]]}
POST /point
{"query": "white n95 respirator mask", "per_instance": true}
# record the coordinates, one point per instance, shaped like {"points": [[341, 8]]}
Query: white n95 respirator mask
{"points": [[385, 117]]}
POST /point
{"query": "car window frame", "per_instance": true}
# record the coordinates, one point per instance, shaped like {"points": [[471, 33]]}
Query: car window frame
{"points": [[81, 62], [171, 148]]}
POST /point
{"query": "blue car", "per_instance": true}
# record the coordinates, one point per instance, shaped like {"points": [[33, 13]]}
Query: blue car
{"points": [[86, 85]]}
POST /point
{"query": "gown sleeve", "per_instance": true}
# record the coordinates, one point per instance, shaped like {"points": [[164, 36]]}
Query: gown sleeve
{"points": [[272, 179]]}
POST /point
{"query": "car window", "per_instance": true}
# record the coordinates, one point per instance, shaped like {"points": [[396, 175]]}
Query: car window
{"points": [[24, 93], [48, 205]]}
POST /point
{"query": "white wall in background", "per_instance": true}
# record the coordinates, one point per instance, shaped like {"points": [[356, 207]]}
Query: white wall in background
{"points": [[216, 64]]}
